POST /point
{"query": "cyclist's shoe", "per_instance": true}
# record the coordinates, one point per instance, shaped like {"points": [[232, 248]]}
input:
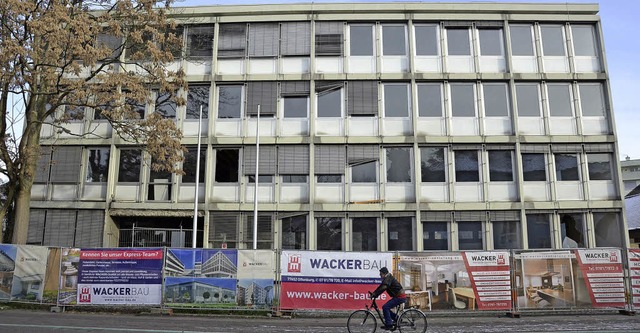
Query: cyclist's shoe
{"points": [[388, 327]]}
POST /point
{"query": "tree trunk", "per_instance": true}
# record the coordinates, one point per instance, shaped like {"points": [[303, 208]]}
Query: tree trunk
{"points": [[21, 223]]}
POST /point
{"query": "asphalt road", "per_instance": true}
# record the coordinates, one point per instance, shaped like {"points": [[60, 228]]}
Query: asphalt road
{"points": [[19, 321]]}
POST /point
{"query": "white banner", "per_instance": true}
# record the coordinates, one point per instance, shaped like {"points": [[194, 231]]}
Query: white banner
{"points": [[334, 264], [95, 294]]}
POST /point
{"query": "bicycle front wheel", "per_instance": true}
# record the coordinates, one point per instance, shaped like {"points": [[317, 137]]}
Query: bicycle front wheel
{"points": [[412, 320], [361, 321]]}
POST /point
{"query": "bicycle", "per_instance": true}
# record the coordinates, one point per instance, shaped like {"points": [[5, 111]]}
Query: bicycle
{"points": [[408, 320]]}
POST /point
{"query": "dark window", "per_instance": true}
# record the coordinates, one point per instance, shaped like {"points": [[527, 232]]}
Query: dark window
{"points": [[361, 40], [591, 100], [190, 164], [559, 100], [566, 167], [534, 167], [364, 173], [399, 164], [227, 162], [462, 100], [297, 179], [607, 229], [435, 236], [495, 100], [521, 40], [500, 166], [506, 235], [198, 96], [229, 101], [552, 40], [394, 40], [364, 234], [599, 166], [584, 40], [400, 233], [294, 233], [165, 105], [458, 42], [98, 165], [200, 41], [295, 107], [262, 179], [527, 100], [329, 236], [432, 164], [470, 236], [572, 230], [539, 231], [329, 178], [430, 100], [427, 40], [467, 169], [129, 167], [490, 42], [396, 100], [330, 104]]}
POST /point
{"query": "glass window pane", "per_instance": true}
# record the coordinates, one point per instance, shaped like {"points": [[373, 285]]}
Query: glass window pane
{"points": [[490, 42], [500, 166], [430, 100], [364, 173], [533, 167], [295, 107], [566, 167], [190, 164], [129, 167], [97, 165], [607, 229], [329, 178], [399, 165], [200, 41], [432, 164], [572, 230], [165, 105], [591, 100], [506, 235], [329, 233], [559, 100], [361, 40], [462, 100], [396, 100], [294, 233], [229, 101], [584, 42], [539, 231], [364, 235], [227, 162], [521, 40], [330, 104], [294, 179], [393, 40], [552, 41], [599, 166], [435, 236], [467, 169], [426, 40], [198, 96], [495, 100], [262, 179], [527, 100], [400, 236], [470, 236], [458, 42]]}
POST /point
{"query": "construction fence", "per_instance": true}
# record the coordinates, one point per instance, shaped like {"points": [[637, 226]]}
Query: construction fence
{"points": [[290, 280]]}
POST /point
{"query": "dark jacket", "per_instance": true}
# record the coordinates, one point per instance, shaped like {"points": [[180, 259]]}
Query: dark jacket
{"points": [[390, 285]]}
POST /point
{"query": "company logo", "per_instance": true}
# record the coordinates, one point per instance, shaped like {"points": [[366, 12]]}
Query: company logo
{"points": [[85, 295], [501, 259], [294, 265], [613, 256]]}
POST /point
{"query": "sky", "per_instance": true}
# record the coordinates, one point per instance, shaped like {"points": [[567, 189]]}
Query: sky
{"points": [[622, 47]]}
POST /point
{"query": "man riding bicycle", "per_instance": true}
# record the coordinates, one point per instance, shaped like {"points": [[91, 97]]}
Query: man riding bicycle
{"points": [[395, 290]]}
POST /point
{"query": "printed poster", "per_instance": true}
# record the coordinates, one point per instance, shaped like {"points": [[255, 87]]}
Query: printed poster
{"points": [[602, 270], [634, 272], [330, 280], [456, 280], [204, 278], [7, 267], [29, 273], [120, 276], [256, 275], [69, 265]]}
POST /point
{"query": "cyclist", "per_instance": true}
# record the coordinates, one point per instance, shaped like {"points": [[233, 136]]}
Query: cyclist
{"points": [[395, 290]]}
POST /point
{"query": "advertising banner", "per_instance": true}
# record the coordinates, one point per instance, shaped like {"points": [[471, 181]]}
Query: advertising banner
{"points": [[256, 276], [634, 273], [200, 278], [330, 280], [69, 265], [457, 280], [120, 276], [7, 267], [29, 273], [603, 275], [549, 280], [490, 277]]}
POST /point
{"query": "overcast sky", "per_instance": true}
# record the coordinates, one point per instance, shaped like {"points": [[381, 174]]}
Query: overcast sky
{"points": [[622, 44]]}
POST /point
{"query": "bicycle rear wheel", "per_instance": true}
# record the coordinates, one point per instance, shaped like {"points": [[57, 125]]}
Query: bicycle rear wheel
{"points": [[361, 321], [412, 320]]}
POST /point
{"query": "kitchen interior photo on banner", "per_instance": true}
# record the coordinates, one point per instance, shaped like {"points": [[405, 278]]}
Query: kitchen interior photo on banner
{"points": [[438, 282]]}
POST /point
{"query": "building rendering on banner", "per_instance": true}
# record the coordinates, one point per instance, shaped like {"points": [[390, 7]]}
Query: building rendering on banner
{"points": [[383, 127]]}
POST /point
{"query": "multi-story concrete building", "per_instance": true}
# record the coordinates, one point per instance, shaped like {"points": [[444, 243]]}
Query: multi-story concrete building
{"points": [[386, 126], [630, 174]]}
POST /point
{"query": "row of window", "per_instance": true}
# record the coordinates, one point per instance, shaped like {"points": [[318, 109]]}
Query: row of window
{"points": [[456, 38], [462, 230], [332, 163], [360, 98]]}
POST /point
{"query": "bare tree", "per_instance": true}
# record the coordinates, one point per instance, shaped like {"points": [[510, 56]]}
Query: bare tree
{"points": [[76, 55]]}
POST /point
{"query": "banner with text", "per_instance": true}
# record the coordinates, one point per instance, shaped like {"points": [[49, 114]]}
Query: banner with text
{"points": [[330, 280], [256, 276], [131, 276], [634, 273], [490, 277], [603, 275]]}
